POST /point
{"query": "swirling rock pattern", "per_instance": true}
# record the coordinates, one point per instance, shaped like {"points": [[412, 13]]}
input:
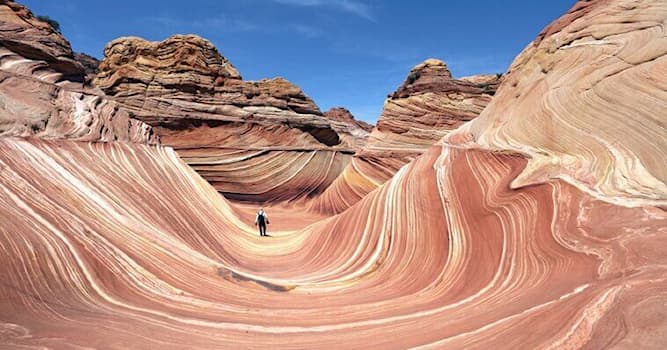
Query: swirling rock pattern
{"points": [[50, 55], [123, 245], [40, 93], [587, 101], [426, 107], [135, 250]]}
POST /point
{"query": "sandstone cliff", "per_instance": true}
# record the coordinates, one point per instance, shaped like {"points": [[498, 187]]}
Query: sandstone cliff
{"points": [[427, 106], [40, 87], [586, 102], [235, 133]]}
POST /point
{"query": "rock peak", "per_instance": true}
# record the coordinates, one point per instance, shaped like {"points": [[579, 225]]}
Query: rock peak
{"points": [[342, 114], [190, 59], [432, 65]]}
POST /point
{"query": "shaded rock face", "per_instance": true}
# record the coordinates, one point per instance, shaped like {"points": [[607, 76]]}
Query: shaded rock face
{"points": [[233, 132], [353, 132], [89, 64], [428, 105], [587, 102], [343, 115], [41, 92]]}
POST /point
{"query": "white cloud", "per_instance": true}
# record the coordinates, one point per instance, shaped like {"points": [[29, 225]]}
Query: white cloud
{"points": [[217, 23], [354, 7]]}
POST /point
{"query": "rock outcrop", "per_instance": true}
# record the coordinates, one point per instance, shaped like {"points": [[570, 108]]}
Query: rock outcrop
{"points": [[235, 133], [352, 132], [586, 102], [41, 92], [183, 81], [89, 64], [427, 106]]}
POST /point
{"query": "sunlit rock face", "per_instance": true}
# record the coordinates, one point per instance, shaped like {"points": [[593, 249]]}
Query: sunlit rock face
{"points": [[426, 107], [41, 92], [587, 102], [253, 140]]}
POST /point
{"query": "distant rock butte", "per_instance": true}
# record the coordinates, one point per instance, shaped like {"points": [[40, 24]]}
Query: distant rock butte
{"points": [[426, 107], [89, 64], [354, 132], [41, 93]]}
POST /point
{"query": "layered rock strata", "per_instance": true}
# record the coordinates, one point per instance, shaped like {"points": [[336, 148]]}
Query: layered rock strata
{"points": [[121, 245], [428, 105], [226, 128], [586, 102], [353, 132], [41, 94]]}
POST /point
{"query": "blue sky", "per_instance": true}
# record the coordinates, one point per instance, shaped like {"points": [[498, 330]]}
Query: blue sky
{"points": [[349, 53]]}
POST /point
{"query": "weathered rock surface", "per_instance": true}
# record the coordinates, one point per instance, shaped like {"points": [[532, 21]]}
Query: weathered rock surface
{"points": [[427, 106], [40, 90], [352, 132], [237, 134], [23, 36], [343, 115], [184, 80], [89, 64], [587, 102]]}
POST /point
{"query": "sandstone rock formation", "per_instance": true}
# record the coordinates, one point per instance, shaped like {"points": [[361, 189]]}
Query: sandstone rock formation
{"points": [[427, 106], [586, 102], [89, 64], [122, 245], [183, 80], [40, 94], [235, 133], [353, 132]]}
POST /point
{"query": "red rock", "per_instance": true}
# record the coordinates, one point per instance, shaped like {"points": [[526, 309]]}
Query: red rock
{"points": [[586, 102], [426, 107], [89, 64], [122, 245], [353, 132], [235, 133], [40, 91]]}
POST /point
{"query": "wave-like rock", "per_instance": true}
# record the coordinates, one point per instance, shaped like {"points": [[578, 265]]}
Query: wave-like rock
{"points": [[40, 90], [125, 246], [22, 34], [425, 108], [223, 126], [121, 245], [587, 101]]}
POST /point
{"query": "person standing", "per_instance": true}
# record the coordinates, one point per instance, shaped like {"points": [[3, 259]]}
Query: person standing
{"points": [[262, 220]]}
